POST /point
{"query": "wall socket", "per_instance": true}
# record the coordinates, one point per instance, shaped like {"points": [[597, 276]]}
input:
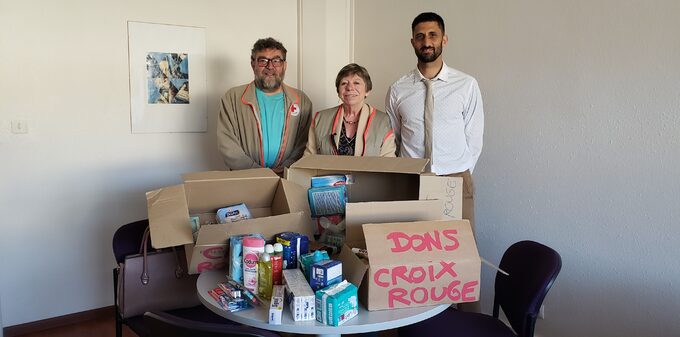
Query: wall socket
{"points": [[541, 312], [19, 126]]}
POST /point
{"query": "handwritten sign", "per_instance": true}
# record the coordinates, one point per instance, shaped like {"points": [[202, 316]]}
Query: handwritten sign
{"points": [[447, 189], [421, 263]]}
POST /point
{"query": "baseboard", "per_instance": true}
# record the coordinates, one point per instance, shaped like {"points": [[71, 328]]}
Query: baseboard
{"points": [[32, 327]]}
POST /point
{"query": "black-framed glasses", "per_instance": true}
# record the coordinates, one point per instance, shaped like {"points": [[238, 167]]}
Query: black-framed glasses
{"points": [[262, 62]]}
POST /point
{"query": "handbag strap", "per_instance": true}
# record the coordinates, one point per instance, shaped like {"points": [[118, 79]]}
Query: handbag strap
{"points": [[142, 250], [179, 271]]}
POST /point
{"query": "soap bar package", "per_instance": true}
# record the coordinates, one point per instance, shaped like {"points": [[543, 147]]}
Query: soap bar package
{"points": [[300, 296], [325, 273], [233, 213], [294, 245], [337, 303]]}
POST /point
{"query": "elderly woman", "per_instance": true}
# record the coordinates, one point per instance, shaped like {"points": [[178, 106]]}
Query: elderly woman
{"points": [[353, 128]]}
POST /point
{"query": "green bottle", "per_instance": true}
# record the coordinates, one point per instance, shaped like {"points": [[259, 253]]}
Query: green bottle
{"points": [[264, 277]]}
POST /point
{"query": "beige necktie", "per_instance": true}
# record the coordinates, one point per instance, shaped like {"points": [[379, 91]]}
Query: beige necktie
{"points": [[427, 117]]}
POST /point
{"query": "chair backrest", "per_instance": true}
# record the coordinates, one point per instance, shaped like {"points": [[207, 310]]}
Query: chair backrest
{"points": [[128, 238], [533, 268], [166, 325]]}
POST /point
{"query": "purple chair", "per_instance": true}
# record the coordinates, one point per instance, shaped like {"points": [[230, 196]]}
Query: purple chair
{"points": [[126, 241], [162, 324], [533, 268]]}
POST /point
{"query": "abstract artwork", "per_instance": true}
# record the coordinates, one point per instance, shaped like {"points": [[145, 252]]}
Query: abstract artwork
{"points": [[167, 78]]}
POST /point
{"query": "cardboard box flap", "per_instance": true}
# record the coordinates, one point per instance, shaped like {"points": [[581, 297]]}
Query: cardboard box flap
{"points": [[208, 191], [417, 242], [362, 164], [361, 213], [447, 189], [268, 227], [168, 217], [353, 268], [239, 174]]}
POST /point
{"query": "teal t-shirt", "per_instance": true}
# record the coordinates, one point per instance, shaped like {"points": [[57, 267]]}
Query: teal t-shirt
{"points": [[272, 117]]}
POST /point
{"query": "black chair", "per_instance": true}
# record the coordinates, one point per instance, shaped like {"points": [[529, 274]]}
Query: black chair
{"points": [[533, 268], [126, 241], [162, 324]]}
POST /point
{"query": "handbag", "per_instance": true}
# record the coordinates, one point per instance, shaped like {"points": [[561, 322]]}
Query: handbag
{"points": [[155, 281]]}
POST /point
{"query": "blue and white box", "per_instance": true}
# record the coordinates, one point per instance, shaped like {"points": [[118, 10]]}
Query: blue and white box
{"points": [[327, 200], [325, 273], [294, 245]]}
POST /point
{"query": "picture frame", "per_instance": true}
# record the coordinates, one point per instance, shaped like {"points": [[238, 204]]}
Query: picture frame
{"points": [[167, 78]]}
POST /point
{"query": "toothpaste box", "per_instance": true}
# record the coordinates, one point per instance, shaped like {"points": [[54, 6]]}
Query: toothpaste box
{"points": [[325, 273], [276, 305], [327, 200], [233, 213], [300, 296], [294, 245], [337, 303]]}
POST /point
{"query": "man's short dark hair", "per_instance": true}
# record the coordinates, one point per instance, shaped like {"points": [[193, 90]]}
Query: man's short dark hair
{"points": [[428, 17], [267, 43], [353, 69]]}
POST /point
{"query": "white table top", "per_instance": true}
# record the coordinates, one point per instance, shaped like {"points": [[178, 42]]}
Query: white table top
{"points": [[366, 321]]}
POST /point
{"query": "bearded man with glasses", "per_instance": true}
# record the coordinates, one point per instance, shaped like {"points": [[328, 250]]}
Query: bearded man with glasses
{"points": [[264, 123]]}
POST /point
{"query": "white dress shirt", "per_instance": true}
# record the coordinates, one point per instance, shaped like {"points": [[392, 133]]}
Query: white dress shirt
{"points": [[458, 120]]}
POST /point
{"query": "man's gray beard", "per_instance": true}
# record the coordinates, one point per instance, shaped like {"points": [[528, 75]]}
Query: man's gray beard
{"points": [[261, 84]]}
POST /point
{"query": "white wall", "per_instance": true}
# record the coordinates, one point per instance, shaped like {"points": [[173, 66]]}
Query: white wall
{"points": [[79, 173], [582, 144], [326, 43]]}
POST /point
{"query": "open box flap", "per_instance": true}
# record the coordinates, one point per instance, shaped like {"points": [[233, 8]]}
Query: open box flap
{"points": [[168, 217], [361, 213], [268, 227], [208, 191], [353, 268], [362, 164], [447, 189]]}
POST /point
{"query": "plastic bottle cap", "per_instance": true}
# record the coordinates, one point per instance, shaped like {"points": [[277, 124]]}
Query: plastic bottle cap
{"points": [[278, 247], [265, 257], [269, 249]]}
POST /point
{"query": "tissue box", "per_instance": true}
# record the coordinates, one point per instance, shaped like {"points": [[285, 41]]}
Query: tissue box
{"points": [[327, 200], [337, 304]]}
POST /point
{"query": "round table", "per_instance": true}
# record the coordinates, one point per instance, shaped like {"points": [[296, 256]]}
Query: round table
{"points": [[366, 321]]}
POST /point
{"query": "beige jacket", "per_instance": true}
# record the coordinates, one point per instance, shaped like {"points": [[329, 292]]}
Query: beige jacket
{"points": [[375, 136], [239, 131]]}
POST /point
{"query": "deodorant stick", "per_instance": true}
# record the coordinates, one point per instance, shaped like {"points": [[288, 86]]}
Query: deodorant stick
{"points": [[252, 247]]}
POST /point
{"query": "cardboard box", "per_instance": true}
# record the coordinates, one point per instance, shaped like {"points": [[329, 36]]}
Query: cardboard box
{"points": [[276, 205], [378, 179], [416, 264]]}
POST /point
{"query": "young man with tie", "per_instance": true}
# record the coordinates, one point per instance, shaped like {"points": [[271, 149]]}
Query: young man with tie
{"points": [[436, 112]]}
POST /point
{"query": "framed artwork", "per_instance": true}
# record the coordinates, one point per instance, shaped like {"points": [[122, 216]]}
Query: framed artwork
{"points": [[167, 78]]}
